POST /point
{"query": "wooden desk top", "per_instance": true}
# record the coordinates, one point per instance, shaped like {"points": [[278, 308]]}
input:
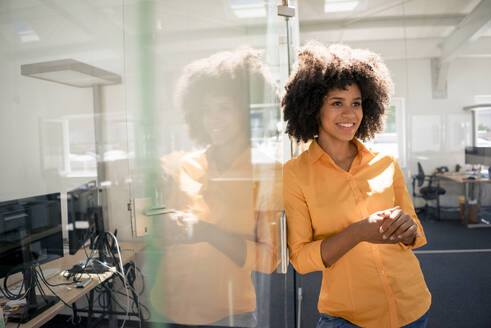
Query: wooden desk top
{"points": [[70, 294], [461, 178]]}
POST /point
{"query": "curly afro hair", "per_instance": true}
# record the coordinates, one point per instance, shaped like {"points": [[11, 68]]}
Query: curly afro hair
{"points": [[240, 75], [321, 69]]}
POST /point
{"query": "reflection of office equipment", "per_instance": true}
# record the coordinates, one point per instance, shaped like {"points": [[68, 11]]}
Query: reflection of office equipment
{"points": [[470, 202], [478, 155], [83, 224], [442, 169], [70, 72], [78, 74], [428, 192], [30, 233]]}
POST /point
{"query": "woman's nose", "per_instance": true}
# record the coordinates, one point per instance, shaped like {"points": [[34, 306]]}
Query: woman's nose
{"points": [[348, 110]]}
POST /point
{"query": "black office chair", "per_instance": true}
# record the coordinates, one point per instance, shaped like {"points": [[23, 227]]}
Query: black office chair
{"points": [[428, 192]]}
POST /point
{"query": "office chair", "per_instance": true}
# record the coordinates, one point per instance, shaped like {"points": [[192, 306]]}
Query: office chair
{"points": [[428, 192]]}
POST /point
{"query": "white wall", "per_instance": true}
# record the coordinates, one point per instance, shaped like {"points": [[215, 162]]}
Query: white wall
{"points": [[24, 102], [439, 129]]}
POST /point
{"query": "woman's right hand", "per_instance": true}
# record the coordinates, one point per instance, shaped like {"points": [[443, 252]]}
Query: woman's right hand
{"points": [[369, 229]]}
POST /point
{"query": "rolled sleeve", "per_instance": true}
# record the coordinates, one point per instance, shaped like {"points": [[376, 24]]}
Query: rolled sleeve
{"points": [[305, 253], [403, 200]]}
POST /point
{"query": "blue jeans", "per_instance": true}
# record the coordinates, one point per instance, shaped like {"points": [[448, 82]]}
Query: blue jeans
{"points": [[327, 321]]}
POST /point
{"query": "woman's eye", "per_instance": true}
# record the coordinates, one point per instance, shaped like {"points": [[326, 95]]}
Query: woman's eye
{"points": [[357, 104], [337, 103]]}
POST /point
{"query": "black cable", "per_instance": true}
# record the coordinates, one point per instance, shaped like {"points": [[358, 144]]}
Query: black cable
{"points": [[143, 281], [45, 281], [141, 305], [132, 309], [54, 293], [130, 269], [110, 250], [130, 275], [37, 279], [43, 294], [6, 291], [135, 301]]}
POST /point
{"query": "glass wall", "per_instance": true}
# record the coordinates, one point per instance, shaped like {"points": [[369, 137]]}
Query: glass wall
{"points": [[62, 64], [174, 108], [204, 85]]}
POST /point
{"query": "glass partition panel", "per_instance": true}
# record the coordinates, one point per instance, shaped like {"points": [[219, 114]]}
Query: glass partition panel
{"points": [[61, 64], [202, 92], [174, 108]]}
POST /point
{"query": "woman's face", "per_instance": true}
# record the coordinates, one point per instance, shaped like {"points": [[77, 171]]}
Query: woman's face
{"points": [[341, 114], [223, 120]]}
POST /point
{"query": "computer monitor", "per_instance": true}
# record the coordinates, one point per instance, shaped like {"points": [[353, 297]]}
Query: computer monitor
{"points": [[84, 216], [478, 155], [86, 223], [30, 233]]}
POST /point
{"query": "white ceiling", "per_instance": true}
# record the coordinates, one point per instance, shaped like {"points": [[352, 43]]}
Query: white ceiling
{"points": [[92, 30]]}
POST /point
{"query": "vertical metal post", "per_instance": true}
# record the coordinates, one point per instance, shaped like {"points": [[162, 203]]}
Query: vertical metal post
{"points": [[99, 149], [299, 310], [474, 129], [466, 207], [98, 134], [286, 11]]}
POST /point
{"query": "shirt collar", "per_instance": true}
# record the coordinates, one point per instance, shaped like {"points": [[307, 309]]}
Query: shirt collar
{"points": [[316, 152]]}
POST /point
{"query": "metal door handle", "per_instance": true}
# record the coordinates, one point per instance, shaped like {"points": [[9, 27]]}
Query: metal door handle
{"points": [[158, 210], [283, 267], [299, 310]]}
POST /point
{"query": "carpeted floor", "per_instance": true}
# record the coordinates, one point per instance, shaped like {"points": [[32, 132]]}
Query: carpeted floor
{"points": [[456, 263]]}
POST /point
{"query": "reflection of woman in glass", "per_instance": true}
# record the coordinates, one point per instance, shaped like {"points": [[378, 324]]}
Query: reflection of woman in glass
{"points": [[348, 211], [228, 207]]}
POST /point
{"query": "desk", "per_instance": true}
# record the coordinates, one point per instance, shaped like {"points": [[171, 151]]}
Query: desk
{"points": [[71, 294], [466, 182]]}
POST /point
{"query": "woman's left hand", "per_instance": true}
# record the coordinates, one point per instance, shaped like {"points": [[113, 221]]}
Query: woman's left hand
{"points": [[399, 225]]}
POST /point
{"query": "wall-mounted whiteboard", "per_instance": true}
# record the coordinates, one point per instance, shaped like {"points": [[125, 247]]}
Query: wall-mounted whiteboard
{"points": [[426, 133]]}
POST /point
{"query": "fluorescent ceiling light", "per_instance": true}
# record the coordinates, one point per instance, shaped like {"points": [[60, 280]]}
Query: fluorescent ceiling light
{"points": [[25, 32], [334, 6], [70, 72], [248, 8]]}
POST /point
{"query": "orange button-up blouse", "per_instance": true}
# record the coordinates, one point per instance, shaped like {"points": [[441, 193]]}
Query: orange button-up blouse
{"points": [[372, 285], [197, 283]]}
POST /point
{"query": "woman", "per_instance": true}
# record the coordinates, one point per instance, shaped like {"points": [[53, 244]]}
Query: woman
{"points": [[348, 211], [229, 206]]}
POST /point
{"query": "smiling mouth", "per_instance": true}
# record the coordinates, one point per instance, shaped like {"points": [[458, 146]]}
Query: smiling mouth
{"points": [[346, 125]]}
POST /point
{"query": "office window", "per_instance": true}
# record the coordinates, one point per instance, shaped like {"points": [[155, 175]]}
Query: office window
{"points": [[392, 139], [483, 127], [482, 121]]}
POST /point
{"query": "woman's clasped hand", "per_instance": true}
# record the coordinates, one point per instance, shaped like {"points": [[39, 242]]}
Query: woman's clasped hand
{"points": [[389, 226]]}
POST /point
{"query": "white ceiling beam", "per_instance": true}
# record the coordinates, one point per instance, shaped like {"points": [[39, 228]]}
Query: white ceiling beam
{"points": [[382, 22], [468, 29]]}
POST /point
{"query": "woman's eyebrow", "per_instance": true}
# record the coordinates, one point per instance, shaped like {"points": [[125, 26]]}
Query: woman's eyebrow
{"points": [[341, 98]]}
